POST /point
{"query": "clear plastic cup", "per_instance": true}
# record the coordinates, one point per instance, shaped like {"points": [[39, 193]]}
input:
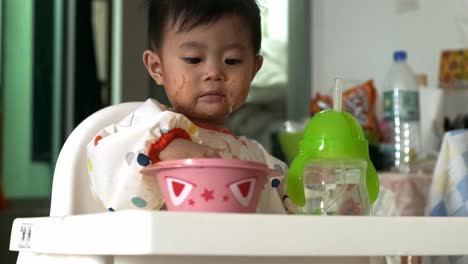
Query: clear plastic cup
{"points": [[335, 187]]}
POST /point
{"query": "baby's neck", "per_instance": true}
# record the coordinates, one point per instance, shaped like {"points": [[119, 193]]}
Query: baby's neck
{"points": [[217, 128], [205, 124]]}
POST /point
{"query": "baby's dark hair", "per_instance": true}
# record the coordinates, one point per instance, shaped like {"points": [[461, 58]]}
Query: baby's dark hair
{"points": [[192, 13]]}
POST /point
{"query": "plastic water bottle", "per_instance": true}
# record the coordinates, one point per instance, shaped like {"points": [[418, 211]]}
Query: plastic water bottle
{"points": [[401, 111]]}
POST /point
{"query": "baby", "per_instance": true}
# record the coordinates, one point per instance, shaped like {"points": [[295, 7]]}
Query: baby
{"points": [[205, 54]]}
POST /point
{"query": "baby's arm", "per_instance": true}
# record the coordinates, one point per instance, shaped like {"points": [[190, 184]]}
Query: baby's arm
{"points": [[117, 154], [182, 148]]}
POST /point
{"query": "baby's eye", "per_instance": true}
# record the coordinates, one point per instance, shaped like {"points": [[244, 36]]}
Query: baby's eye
{"points": [[232, 61], [192, 60]]}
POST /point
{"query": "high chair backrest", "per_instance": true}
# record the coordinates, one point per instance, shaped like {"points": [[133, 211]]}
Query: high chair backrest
{"points": [[71, 192]]}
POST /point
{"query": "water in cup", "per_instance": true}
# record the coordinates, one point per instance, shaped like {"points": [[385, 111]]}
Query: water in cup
{"points": [[335, 187]]}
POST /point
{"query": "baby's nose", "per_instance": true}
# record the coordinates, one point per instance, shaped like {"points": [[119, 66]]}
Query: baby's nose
{"points": [[214, 72]]}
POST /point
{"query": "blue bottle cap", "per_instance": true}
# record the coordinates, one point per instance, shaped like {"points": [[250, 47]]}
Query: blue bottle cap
{"points": [[399, 55]]}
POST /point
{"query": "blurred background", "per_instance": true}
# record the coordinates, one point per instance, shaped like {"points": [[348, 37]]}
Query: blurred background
{"points": [[62, 60]]}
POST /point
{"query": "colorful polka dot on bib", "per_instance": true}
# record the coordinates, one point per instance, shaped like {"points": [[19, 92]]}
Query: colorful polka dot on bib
{"points": [[275, 183], [143, 160], [90, 166], [138, 202]]}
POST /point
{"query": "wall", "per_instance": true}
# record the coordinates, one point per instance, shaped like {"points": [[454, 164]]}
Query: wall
{"points": [[135, 81], [356, 39], [130, 81]]}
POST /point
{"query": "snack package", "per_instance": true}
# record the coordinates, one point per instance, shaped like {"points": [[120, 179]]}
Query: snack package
{"points": [[359, 101], [319, 103]]}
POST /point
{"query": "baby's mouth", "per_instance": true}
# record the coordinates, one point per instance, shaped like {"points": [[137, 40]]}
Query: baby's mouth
{"points": [[212, 96]]}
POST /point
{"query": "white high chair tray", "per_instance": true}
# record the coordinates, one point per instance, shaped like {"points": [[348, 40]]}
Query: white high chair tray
{"points": [[202, 234]]}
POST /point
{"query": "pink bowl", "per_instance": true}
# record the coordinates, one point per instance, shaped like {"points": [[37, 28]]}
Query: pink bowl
{"points": [[210, 185]]}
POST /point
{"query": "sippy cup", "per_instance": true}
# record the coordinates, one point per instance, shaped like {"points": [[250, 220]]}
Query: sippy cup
{"points": [[333, 157]]}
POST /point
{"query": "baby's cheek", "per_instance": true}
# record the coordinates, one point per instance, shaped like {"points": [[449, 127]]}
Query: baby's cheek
{"points": [[238, 92]]}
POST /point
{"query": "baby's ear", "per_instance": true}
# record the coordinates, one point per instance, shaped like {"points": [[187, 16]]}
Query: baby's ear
{"points": [[153, 65], [257, 64]]}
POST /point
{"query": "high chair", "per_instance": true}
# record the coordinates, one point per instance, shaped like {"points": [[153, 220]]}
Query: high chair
{"points": [[79, 230]]}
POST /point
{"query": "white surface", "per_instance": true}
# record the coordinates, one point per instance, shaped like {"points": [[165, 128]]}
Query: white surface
{"points": [[356, 39], [195, 234]]}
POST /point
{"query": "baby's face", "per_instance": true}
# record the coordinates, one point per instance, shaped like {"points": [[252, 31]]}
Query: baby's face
{"points": [[207, 71]]}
